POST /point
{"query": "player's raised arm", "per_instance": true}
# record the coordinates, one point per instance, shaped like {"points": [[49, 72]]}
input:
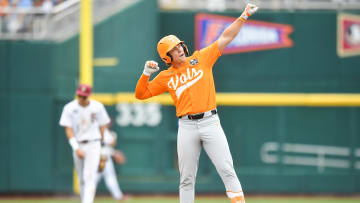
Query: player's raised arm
{"points": [[142, 91], [230, 32]]}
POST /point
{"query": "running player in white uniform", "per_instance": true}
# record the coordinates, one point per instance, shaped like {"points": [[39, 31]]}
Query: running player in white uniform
{"points": [[109, 173], [189, 80], [84, 121]]}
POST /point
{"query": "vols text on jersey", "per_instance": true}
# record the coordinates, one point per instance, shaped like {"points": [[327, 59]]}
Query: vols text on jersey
{"points": [[186, 80], [188, 84]]}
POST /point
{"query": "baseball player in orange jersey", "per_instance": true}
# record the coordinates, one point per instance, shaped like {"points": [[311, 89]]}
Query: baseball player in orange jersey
{"points": [[189, 80]]}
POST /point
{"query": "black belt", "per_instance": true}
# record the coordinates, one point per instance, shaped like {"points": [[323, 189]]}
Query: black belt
{"points": [[199, 115], [87, 141]]}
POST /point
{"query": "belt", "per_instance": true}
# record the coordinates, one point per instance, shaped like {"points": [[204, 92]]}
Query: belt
{"points": [[199, 115], [87, 141]]}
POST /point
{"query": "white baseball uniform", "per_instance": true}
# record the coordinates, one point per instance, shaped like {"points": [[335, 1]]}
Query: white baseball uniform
{"points": [[85, 123], [109, 172]]}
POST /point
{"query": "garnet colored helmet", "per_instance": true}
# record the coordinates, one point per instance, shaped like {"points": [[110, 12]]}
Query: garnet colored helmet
{"points": [[83, 90]]}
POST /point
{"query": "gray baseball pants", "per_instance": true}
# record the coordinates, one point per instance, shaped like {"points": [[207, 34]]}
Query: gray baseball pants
{"points": [[192, 135], [87, 170]]}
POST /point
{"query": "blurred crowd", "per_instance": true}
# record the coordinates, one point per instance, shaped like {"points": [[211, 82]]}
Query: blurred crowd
{"points": [[17, 15], [22, 16], [221, 5], [45, 4]]}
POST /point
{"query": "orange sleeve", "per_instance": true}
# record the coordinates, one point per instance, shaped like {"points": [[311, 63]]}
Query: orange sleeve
{"points": [[145, 89], [210, 54]]}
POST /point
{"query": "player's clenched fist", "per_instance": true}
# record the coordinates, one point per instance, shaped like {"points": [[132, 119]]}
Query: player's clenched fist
{"points": [[248, 11], [150, 67]]}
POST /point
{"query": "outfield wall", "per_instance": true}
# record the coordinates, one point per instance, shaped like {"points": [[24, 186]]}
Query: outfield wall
{"points": [[276, 148]]}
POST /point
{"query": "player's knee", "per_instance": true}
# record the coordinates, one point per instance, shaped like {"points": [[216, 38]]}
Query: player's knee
{"points": [[227, 171], [88, 177], [82, 182], [111, 182], [187, 183]]}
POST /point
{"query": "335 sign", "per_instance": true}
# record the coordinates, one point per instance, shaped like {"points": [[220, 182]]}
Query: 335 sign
{"points": [[138, 114]]}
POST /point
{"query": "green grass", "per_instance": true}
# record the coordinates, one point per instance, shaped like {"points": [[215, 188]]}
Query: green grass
{"points": [[202, 199]]}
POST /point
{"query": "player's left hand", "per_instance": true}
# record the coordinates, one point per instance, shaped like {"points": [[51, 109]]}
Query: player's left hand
{"points": [[249, 10], [119, 157]]}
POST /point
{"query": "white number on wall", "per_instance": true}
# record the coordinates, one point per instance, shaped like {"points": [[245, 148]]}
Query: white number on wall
{"points": [[138, 114]]}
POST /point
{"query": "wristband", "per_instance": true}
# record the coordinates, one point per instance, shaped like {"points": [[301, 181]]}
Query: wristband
{"points": [[146, 73], [242, 19], [73, 143]]}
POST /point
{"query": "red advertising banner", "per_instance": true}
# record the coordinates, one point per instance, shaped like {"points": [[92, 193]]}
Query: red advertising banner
{"points": [[254, 35], [348, 35]]}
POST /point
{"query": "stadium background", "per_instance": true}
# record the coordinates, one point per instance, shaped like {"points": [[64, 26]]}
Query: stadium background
{"points": [[39, 76]]}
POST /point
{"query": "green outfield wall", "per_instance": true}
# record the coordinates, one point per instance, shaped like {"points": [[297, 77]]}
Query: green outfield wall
{"points": [[275, 148]]}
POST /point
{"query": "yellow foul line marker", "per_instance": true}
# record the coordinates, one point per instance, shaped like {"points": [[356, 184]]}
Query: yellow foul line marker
{"points": [[246, 99]]}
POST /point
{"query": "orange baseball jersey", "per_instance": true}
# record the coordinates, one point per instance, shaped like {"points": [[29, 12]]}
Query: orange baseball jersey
{"points": [[191, 86]]}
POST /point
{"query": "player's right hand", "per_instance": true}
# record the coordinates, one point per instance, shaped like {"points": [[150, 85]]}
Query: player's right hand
{"points": [[80, 153], [150, 67]]}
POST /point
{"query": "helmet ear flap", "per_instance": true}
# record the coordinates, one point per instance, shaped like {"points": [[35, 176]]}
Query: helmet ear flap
{"points": [[168, 58], [186, 50], [165, 59]]}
